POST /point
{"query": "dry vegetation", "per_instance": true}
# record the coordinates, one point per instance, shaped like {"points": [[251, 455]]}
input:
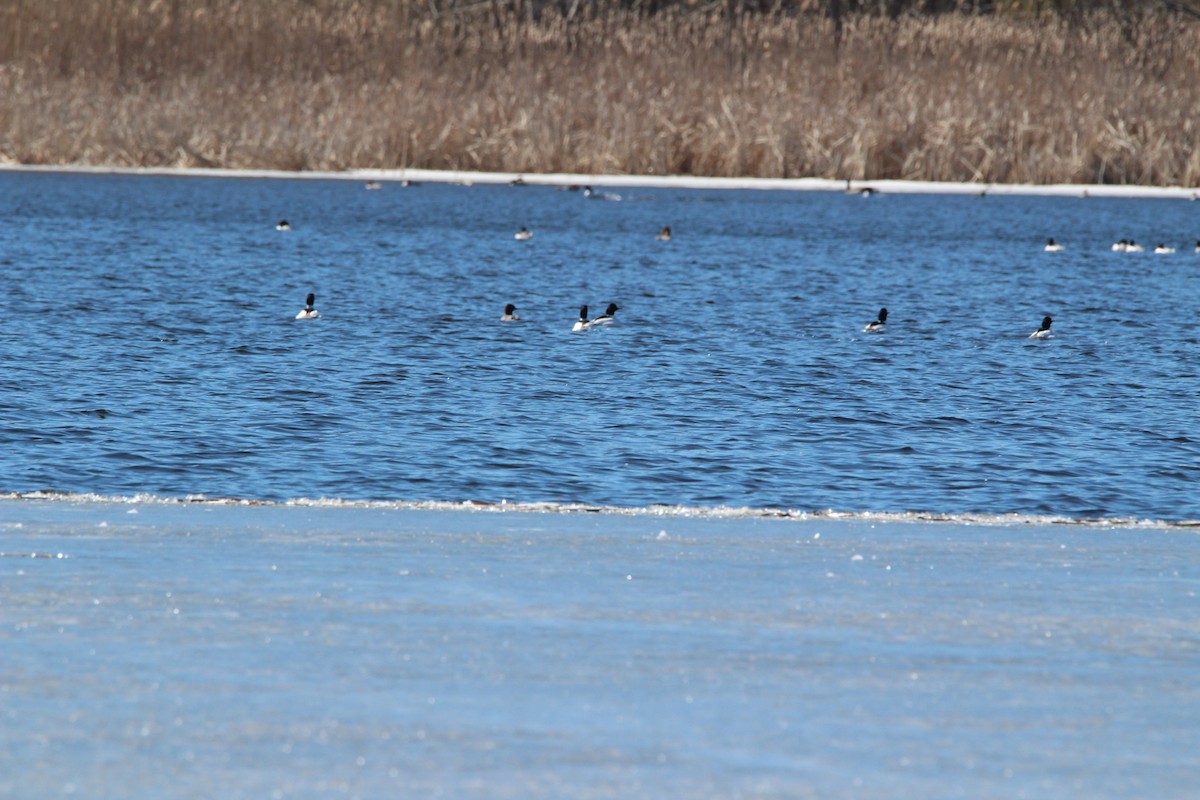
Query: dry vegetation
{"points": [[335, 84]]}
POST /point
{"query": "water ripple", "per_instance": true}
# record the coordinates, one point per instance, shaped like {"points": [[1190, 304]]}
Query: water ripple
{"points": [[168, 360]]}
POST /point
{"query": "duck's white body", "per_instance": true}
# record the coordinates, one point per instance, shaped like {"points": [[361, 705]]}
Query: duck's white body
{"points": [[582, 323], [1163, 250], [1044, 331], [523, 235], [309, 312], [607, 317], [1054, 247]]}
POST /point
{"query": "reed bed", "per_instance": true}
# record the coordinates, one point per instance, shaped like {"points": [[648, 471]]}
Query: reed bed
{"points": [[338, 84]]}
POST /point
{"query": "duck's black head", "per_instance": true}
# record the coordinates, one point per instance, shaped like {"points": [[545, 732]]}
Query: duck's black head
{"points": [[1046, 321], [308, 301], [508, 309], [882, 315], [583, 313], [612, 309]]}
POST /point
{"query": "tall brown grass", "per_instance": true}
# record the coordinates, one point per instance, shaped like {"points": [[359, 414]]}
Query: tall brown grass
{"points": [[336, 84]]}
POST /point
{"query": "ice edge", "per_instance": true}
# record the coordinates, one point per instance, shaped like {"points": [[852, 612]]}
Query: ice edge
{"points": [[653, 510]]}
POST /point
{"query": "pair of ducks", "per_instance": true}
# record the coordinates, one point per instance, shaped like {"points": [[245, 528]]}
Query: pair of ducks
{"points": [[879, 325], [582, 324], [1130, 246], [524, 234]]}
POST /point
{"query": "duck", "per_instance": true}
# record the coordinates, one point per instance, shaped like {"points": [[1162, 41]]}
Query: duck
{"points": [[1121, 246], [308, 312], [607, 316], [282, 225], [582, 323], [1198, 245], [523, 235], [595, 194], [878, 325], [1044, 331], [1134, 247], [1054, 247], [665, 234], [1162, 250], [371, 185], [509, 316]]}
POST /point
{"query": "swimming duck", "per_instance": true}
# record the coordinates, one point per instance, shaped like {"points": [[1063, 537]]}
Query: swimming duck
{"points": [[582, 323], [665, 234], [282, 225], [1044, 331], [371, 185], [595, 194], [524, 234], [1134, 247], [1121, 246], [509, 316], [607, 316], [1054, 247], [308, 312], [878, 325], [1162, 250]]}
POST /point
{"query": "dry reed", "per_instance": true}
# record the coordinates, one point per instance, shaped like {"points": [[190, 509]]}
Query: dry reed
{"points": [[337, 84]]}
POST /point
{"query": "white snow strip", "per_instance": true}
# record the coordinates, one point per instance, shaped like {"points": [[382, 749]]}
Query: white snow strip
{"points": [[645, 181]]}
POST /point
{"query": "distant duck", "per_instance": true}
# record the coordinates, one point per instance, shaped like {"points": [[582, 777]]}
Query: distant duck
{"points": [[524, 234], [1134, 247], [509, 316], [879, 325], [282, 225], [607, 316], [1198, 245], [1044, 331], [665, 234], [1054, 247], [1121, 246], [308, 312], [582, 323], [1163, 250], [593, 194], [373, 185]]}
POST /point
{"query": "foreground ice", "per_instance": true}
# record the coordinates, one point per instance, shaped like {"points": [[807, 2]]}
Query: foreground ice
{"points": [[176, 650]]}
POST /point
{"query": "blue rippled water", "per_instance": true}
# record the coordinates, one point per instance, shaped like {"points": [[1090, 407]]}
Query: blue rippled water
{"points": [[148, 344]]}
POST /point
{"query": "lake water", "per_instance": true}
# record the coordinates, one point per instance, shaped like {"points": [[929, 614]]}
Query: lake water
{"points": [[147, 344], [152, 645]]}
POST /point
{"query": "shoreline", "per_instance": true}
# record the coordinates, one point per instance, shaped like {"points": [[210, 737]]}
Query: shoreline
{"points": [[654, 510], [468, 178]]}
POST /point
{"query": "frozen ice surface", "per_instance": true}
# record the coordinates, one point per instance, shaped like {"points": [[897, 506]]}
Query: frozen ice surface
{"points": [[234, 651]]}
